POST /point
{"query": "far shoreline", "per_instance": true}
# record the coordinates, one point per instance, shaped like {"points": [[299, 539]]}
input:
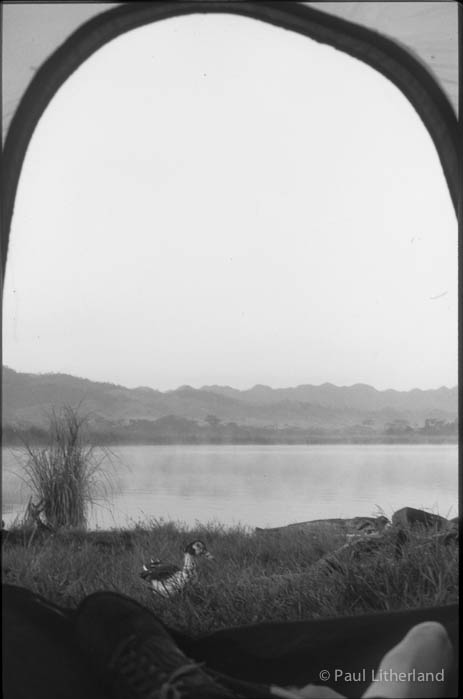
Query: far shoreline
{"points": [[341, 441]]}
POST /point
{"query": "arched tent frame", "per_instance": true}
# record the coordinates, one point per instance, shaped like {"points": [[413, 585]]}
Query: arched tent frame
{"points": [[381, 53]]}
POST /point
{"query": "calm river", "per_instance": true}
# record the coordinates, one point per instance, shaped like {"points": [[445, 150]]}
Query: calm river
{"points": [[262, 485]]}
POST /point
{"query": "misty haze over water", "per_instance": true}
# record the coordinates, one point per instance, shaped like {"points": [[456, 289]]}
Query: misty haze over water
{"points": [[264, 485]]}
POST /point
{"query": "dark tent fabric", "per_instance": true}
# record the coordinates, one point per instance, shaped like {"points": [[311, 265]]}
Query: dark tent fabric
{"points": [[41, 656]]}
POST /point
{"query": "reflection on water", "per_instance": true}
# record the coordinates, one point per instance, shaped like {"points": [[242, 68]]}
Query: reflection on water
{"points": [[264, 486]]}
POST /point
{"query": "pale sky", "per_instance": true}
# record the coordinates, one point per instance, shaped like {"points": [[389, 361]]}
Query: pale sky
{"points": [[210, 199]]}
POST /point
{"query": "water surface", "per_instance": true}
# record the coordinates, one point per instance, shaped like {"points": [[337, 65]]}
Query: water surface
{"points": [[263, 485]]}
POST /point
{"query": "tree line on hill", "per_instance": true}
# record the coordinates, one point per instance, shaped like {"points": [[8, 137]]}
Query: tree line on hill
{"points": [[172, 429]]}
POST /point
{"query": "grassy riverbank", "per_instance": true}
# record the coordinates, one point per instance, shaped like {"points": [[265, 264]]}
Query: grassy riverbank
{"points": [[254, 578]]}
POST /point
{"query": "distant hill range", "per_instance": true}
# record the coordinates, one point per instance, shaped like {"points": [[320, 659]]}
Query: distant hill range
{"points": [[212, 411]]}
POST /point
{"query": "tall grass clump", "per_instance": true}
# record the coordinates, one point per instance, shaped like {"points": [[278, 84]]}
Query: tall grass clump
{"points": [[65, 476]]}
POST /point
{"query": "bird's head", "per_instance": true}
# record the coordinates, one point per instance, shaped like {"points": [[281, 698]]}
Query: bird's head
{"points": [[198, 548]]}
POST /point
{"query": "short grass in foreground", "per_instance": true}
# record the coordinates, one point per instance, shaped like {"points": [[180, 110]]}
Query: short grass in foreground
{"points": [[254, 578]]}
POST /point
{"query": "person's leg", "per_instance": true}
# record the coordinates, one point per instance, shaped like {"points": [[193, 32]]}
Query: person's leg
{"points": [[296, 653], [415, 667], [41, 649], [135, 655], [350, 650], [40, 656]]}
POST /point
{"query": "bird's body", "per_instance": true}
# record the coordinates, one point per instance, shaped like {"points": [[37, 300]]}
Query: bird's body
{"points": [[167, 579]]}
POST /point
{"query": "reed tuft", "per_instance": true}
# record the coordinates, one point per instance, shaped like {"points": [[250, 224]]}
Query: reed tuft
{"points": [[65, 476]]}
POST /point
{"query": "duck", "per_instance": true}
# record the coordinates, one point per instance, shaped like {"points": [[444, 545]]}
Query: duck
{"points": [[166, 579]]}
